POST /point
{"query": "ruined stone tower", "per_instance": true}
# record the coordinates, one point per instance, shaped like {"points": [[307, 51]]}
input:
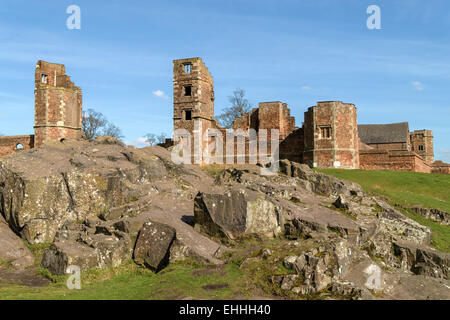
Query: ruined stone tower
{"points": [[58, 104], [331, 136], [422, 144], [193, 96]]}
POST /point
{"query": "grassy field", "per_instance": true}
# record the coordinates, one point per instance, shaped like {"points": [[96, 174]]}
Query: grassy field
{"points": [[407, 189], [130, 282]]}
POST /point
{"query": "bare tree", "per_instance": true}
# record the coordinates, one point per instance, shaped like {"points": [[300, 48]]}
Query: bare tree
{"points": [[95, 124], [239, 107], [153, 139], [150, 138], [161, 138], [92, 123], [113, 131]]}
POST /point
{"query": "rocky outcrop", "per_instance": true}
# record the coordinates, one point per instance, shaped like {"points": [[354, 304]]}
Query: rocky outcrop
{"points": [[319, 267], [153, 245], [318, 182], [400, 226], [236, 213], [63, 254], [13, 252], [71, 181], [423, 260], [435, 215], [88, 247], [341, 203], [101, 204]]}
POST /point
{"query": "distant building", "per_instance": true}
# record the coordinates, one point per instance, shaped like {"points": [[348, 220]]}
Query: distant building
{"points": [[329, 137]]}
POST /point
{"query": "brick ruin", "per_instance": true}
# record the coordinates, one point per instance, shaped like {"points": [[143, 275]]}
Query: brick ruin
{"points": [[58, 110], [329, 137]]}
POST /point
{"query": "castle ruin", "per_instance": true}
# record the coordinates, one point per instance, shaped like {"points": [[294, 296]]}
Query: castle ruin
{"points": [[58, 110], [329, 137]]}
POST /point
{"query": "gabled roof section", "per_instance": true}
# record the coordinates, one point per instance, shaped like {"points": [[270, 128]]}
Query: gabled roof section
{"points": [[384, 133]]}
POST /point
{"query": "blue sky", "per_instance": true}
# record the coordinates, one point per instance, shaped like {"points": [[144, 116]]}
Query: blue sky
{"points": [[298, 52]]}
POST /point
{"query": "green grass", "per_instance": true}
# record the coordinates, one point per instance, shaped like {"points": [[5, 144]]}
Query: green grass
{"points": [[132, 282], [407, 189], [179, 280]]}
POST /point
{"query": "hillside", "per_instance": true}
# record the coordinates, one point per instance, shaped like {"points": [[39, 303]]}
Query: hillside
{"points": [[407, 189], [138, 226]]}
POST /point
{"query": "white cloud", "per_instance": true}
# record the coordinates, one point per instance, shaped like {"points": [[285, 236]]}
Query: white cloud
{"points": [[417, 85], [305, 88], [159, 94], [138, 143]]}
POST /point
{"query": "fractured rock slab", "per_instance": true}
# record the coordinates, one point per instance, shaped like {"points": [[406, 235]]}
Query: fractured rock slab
{"points": [[236, 213], [153, 245]]}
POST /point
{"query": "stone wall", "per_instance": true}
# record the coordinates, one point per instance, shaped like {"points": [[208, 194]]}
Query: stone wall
{"points": [[293, 146], [440, 167], [392, 161], [11, 144], [275, 115], [269, 115]]}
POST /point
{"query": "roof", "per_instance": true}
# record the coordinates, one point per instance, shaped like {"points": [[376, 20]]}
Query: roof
{"points": [[440, 163], [384, 133]]}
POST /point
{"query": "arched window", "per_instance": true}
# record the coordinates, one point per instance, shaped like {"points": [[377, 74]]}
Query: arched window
{"points": [[19, 146]]}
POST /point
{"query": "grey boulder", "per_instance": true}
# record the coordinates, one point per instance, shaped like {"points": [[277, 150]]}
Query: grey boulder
{"points": [[153, 245], [236, 213]]}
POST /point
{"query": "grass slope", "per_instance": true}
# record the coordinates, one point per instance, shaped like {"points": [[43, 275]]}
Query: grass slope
{"points": [[407, 189], [130, 282]]}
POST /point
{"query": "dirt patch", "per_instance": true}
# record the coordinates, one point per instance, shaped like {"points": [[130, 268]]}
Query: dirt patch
{"points": [[216, 286], [210, 270], [27, 278]]}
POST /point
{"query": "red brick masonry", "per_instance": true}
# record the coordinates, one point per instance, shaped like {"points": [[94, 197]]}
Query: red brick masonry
{"points": [[58, 110], [12, 144], [328, 137]]}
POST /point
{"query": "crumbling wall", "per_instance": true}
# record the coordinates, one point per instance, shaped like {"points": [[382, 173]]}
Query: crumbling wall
{"points": [[269, 115], [11, 144], [193, 96], [275, 115], [328, 139], [58, 104], [243, 123], [293, 146]]}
